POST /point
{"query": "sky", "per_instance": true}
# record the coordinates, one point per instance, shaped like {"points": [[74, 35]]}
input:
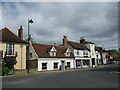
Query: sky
{"points": [[96, 21]]}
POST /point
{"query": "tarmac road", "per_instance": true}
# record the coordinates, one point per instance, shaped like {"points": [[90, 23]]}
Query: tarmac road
{"points": [[103, 77]]}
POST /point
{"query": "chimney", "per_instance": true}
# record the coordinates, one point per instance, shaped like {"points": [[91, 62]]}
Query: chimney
{"points": [[65, 41], [20, 33], [82, 40]]}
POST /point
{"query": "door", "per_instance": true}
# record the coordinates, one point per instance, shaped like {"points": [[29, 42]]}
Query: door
{"points": [[62, 65], [78, 63]]}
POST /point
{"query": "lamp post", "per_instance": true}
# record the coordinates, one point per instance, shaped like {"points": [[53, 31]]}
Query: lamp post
{"points": [[28, 48]]}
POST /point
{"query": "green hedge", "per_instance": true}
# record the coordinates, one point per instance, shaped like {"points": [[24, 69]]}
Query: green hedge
{"points": [[6, 70]]}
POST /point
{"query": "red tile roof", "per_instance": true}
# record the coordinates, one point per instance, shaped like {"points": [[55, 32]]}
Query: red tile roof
{"points": [[42, 51], [9, 36]]}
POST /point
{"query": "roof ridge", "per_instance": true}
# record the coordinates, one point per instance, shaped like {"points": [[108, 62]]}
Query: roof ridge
{"points": [[47, 44]]}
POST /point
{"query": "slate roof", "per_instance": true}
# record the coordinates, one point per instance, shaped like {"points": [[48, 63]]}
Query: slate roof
{"points": [[99, 49], [86, 42], [76, 45], [9, 36], [42, 50]]}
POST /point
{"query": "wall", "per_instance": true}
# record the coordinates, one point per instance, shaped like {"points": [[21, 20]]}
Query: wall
{"points": [[34, 55], [104, 58], [80, 53], [21, 54], [50, 62]]}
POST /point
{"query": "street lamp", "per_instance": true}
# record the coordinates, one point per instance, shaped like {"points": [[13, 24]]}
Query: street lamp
{"points": [[28, 55]]}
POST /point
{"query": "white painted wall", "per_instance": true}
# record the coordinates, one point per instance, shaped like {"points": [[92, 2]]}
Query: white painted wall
{"points": [[104, 58], [34, 55], [81, 53], [50, 62]]}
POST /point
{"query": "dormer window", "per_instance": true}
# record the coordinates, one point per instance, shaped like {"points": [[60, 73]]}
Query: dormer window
{"points": [[53, 52], [67, 53]]}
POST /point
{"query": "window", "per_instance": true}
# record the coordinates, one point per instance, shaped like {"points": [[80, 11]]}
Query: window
{"points": [[10, 49], [85, 53], [85, 62], [68, 64], [30, 55], [55, 65], [67, 53], [97, 56], [53, 53], [77, 52], [44, 66]]}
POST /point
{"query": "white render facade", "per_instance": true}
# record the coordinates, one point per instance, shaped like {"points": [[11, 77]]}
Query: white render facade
{"points": [[92, 54], [50, 63], [82, 58], [98, 57]]}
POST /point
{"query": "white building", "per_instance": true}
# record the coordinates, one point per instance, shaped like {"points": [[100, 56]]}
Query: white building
{"points": [[98, 52], [91, 46], [51, 57], [81, 53]]}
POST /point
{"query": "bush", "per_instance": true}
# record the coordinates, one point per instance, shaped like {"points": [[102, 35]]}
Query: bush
{"points": [[6, 70]]}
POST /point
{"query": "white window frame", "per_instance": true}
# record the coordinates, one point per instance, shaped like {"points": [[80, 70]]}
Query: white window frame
{"points": [[8, 48]]}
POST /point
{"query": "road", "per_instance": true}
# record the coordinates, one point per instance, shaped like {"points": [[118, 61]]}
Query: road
{"points": [[102, 77]]}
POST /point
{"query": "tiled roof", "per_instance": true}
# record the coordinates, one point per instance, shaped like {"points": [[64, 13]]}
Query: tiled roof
{"points": [[77, 45], [8, 36], [42, 51]]}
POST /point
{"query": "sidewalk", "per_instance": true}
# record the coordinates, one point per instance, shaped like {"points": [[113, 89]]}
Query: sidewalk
{"points": [[34, 71]]}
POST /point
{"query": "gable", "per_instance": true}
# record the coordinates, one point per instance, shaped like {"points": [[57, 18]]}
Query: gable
{"points": [[53, 49], [8, 36]]}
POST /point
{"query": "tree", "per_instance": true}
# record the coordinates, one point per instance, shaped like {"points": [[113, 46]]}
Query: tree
{"points": [[10, 61], [115, 54]]}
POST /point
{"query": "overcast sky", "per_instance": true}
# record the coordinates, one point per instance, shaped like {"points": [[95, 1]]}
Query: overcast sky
{"points": [[96, 21]]}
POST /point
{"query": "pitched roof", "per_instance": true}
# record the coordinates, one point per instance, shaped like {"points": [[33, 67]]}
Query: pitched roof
{"points": [[99, 49], [86, 42], [42, 51], [8, 36], [76, 45]]}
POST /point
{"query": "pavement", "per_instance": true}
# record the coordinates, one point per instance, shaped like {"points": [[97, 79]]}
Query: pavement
{"points": [[99, 77], [34, 71]]}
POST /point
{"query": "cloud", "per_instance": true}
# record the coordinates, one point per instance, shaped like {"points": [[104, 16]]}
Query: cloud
{"points": [[96, 21]]}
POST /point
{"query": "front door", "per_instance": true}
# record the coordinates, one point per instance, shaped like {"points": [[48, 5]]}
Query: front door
{"points": [[78, 63]]}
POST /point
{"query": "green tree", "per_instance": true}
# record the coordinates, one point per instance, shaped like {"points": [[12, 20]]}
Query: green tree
{"points": [[115, 54]]}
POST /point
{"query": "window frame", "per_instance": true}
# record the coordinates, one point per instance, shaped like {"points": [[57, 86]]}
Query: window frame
{"points": [[10, 46], [77, 52], [55, 66], [43, 67], [68, 65]]}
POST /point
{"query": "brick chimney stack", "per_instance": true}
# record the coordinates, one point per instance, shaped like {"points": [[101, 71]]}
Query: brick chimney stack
{"points": [[82, 40], [20, 33], [65, 41]]}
